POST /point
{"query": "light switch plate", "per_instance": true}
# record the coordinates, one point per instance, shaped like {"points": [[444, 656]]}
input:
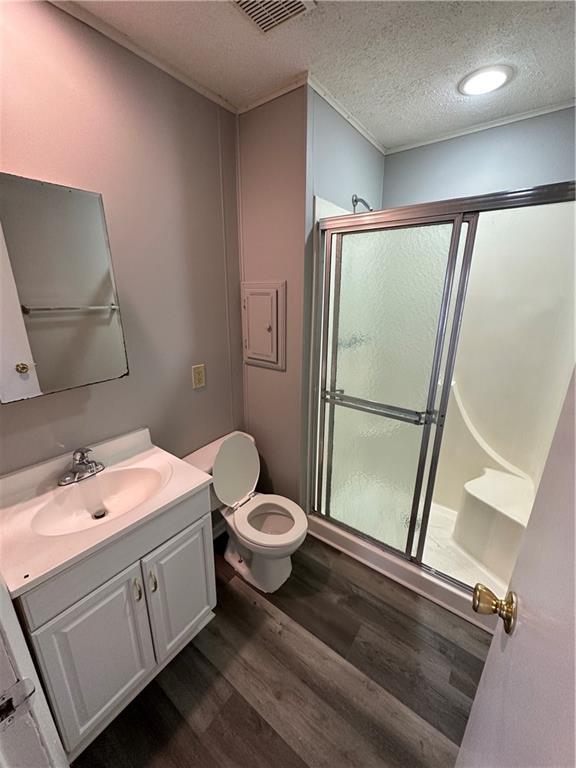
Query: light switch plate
{"points": [[198, 376]]}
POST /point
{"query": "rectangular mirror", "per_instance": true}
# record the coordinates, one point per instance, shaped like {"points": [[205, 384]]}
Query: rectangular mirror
{"points": [[60, 321]]}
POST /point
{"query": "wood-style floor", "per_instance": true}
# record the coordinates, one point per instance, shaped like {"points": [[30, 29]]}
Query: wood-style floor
{"points": [[341, 668]]}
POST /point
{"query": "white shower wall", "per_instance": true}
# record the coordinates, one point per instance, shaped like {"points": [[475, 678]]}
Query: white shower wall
{"points": [[514, 362], [516, 350]]}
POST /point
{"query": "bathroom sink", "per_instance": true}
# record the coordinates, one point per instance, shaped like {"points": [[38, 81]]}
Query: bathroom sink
{"points": [[97, 500], [46, 528]]}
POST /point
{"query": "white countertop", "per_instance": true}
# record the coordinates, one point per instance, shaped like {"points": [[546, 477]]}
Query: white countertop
{"points": [[27, 558]]}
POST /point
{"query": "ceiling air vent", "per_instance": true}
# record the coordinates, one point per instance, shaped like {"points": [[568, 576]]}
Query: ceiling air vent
{"points": [[267, 14]]}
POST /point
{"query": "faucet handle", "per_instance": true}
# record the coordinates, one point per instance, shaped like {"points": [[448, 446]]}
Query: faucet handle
{"points": [[82, 467], [80, 455]]}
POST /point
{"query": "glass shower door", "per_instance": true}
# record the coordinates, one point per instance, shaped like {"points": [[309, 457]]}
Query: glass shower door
{"points": [[386, 300]]}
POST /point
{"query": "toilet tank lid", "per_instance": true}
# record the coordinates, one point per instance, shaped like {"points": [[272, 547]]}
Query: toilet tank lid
{"points": [[204, 457]]}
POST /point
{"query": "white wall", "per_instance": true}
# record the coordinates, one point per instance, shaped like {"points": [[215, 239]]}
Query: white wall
{"points": [[516, 350], [526, 153], [95, 116]]}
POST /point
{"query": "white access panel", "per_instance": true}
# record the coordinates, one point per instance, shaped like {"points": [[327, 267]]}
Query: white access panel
{"points": [[264, 323]]}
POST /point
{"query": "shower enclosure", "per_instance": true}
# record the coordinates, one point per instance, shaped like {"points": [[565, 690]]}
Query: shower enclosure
{"points": [[390, 296]]}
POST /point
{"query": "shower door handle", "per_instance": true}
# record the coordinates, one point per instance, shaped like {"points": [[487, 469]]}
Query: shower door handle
{"points": [[338, 397]]}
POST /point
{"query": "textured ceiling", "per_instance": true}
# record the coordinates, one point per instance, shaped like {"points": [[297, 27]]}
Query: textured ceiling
{"points": [[394, 66]]}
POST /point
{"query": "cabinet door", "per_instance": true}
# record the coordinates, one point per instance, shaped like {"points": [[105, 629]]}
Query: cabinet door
{"points": [[95, 653], [180, 590]]}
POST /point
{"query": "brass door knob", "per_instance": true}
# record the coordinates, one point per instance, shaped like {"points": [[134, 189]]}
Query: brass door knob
{"points": [[485, 601]]}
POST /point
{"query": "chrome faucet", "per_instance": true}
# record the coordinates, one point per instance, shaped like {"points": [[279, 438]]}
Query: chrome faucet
{"points": [[82, 467]]}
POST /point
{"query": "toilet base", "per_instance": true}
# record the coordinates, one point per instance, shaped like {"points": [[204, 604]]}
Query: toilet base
{"points": [[265, 573]]}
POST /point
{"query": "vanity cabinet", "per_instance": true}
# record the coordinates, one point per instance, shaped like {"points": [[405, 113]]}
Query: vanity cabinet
{"points": [[103, 649], [175, 608], [95, 653]]}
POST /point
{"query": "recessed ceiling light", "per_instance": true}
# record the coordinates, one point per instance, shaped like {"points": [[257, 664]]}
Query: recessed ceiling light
{"points": [[485, 80]]}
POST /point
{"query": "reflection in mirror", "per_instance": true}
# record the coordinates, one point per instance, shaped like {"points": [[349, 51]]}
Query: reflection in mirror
{"points": [[60, 321]]}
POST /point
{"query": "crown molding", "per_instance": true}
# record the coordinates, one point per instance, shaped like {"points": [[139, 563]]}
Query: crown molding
{"points": [[84, 16], [335, 104], [290, 85], [485, 126], [306, 79]]}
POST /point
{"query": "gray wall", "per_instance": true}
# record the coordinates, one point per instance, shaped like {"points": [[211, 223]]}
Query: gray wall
{"points": [[96, 117], [272, 182], [538, 150], [291, 149], [341, 161]]}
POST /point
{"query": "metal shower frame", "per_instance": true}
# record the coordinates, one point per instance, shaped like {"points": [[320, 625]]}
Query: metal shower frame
{"points": [[322, 394]]}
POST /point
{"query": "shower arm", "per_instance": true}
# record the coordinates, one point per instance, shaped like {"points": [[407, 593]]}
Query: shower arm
{"points": [[356, 200]]}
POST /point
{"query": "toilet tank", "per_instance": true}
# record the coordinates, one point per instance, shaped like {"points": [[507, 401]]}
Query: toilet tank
{"points": [[204, 458]]}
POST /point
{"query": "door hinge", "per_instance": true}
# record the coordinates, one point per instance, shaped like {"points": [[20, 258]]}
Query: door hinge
{"points": [[12, 699]]}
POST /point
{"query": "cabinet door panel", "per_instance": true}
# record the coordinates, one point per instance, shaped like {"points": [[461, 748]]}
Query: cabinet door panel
{"points": [[95, 653], [180, 590]]}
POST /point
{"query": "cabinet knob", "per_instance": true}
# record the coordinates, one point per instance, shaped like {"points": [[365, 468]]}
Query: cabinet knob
{"points": [[153, 581], [137, 590], [22, 367]]}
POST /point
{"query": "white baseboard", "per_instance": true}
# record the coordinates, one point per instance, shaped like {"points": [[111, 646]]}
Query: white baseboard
{"points": [[418, 580]]}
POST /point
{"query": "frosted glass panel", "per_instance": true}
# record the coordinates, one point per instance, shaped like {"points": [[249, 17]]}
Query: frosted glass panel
{"points": [[374, 462], [390, 296]]}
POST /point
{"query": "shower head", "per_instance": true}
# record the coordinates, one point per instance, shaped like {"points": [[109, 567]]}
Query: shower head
{"points": [[356, 200]]}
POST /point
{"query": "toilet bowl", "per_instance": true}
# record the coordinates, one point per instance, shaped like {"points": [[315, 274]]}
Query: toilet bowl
{"points": [[264, 530]]}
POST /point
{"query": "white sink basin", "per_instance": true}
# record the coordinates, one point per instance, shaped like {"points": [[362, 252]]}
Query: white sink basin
{"points": [[96, 500], [45, 528]]}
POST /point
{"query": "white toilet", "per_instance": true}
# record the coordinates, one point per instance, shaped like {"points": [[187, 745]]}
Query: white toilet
{"points": [[264, 529]]}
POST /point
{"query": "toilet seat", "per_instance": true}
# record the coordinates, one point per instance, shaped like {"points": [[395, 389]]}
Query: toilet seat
{"points": [[264, 530], [287, 507], [235, 473], [236, 469]]}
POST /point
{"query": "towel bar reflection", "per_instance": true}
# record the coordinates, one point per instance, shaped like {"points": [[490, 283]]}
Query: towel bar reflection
{"points": [[27, 310]]}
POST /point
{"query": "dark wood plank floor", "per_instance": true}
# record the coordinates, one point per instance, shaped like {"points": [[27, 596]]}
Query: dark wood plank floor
{"points": [[341, 668]]}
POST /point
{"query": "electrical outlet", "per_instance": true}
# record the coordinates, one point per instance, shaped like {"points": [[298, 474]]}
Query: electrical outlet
{"points": [[198, 376]]}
